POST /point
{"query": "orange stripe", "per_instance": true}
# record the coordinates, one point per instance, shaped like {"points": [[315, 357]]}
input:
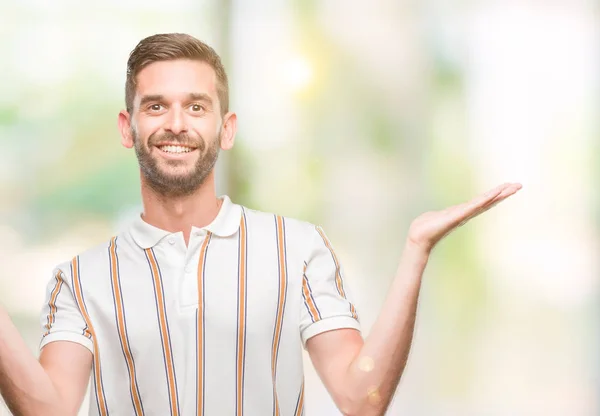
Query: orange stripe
{"points": [[86, 317], [279, 321], [116, 286], [338, 276], [241, 341], [162, 314], [309, 301], [300, 405], [52, 302], [308, 297], [200, 341]]}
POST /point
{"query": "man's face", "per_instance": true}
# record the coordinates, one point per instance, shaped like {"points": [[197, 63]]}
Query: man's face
{"points": [[176, 125]]}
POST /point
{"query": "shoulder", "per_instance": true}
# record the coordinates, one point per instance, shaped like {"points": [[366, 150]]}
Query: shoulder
{"points": [[290, 226], [93, 255]]}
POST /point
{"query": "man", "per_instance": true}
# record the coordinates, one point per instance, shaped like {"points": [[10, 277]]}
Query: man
{"points": [[202, 306]]}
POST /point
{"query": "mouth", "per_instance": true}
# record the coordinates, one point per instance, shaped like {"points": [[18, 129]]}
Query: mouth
{"points": [[175, 149]]}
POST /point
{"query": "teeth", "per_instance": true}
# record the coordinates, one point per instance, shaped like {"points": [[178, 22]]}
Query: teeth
{"points": [[175, 149]]}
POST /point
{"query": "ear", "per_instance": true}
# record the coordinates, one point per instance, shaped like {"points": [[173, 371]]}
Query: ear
{"points": [[125, 129], [228, 131]]}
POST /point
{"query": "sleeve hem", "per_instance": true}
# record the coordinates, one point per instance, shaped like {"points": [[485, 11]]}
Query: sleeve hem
{"points": [[68, 336], [329, 324]]}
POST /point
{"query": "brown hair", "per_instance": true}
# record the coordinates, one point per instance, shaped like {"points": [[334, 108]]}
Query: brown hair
{"points": [[171, 46]]}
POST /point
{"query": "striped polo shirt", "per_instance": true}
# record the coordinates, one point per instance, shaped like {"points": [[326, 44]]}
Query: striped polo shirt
{"points": [[213, 328]]}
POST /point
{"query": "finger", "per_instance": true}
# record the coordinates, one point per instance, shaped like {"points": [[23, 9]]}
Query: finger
{"points": [[487, 197], [481, 199], [466, 209], [499, 193], [466, 212], [508, 191], [503, 195]]}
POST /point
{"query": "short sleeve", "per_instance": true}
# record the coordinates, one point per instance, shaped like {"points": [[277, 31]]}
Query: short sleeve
{"points": [[61, 318], [326, 297]]}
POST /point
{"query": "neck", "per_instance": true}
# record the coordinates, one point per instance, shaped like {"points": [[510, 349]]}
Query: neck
{"points": [[176, 214]]}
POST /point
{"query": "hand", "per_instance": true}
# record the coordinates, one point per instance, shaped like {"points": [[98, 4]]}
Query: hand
{"points": [[429, 228]]}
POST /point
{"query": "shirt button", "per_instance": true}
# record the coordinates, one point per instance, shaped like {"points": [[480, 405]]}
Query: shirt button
{"points": [[199, 233], [188, 270], [171, 241]]}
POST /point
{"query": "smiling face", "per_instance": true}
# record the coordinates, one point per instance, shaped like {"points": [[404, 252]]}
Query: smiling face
{"points": [[175, 125]]}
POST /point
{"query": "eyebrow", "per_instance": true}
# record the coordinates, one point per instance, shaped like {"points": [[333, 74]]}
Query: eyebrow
{"points": [[194, 96], [200, 96]]}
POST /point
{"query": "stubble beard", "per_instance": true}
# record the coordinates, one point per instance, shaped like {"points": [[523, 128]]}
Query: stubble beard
{"points": [[170, 184]]}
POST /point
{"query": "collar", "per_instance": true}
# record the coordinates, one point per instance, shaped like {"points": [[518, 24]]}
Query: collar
{"points": [[226, 223]]}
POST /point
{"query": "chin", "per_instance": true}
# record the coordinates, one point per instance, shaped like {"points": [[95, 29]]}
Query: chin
{"points": [[177, 174]]}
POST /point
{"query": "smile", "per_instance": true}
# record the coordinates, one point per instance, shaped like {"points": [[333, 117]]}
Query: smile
{"points": [[176, 149]]}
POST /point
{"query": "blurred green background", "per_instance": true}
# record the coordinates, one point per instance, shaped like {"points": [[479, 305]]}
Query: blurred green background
{"points": [[370, 113]]}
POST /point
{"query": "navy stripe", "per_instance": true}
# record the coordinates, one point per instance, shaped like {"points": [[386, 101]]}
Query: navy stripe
{"points": [[338, 272], [299, 397], [197, 362], [237, 338], [168, 330], [116, 316], [312, 318], [158, 321], [308, 309], [278, 296], [312, 298], [246, 307], [59, 283], [112, 286], [96, 341], [125, 328], [245, 243], [285, 293], [311, 295], [204, 324], [279, 289]]}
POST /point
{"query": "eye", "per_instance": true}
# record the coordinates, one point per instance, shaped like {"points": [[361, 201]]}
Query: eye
{"points": [[155, 107], [197, 107]]}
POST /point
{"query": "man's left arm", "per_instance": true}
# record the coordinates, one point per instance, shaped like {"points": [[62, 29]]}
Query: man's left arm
{"points": [[362, 376]]}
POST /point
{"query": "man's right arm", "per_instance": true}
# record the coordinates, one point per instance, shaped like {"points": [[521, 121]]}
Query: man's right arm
{"points": [[54, 385]]}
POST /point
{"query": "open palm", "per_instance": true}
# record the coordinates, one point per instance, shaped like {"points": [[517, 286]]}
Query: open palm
{"points": [[429, 228]]}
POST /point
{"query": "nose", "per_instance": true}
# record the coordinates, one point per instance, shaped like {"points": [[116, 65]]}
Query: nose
{"points": [[176, 123]]}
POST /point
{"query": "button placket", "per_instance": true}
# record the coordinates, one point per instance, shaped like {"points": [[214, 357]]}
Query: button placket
{"points": [[188, 297]]}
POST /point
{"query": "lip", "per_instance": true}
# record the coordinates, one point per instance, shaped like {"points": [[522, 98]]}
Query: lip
{"points": [[174, 156], [174, 144]]}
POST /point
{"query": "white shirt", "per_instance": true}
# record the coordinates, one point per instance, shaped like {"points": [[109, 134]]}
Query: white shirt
{"points": [[214, 328]]}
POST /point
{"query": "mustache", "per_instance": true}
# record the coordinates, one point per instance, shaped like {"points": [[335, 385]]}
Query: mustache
{"points": [[182, 139]]}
